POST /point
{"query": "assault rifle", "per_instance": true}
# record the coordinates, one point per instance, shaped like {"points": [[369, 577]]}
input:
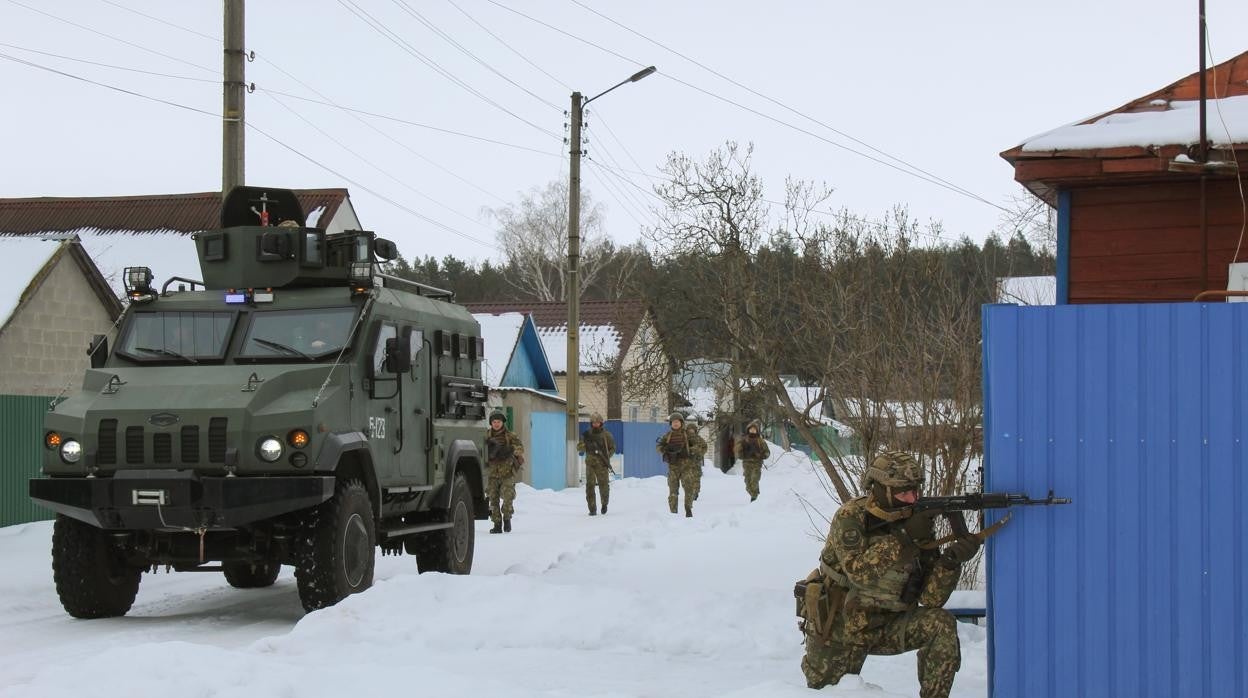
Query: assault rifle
{"points": [[951, 509]]}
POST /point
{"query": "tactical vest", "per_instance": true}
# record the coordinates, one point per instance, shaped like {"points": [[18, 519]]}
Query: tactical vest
{"points": [[596, 446], [752, 448], [891, 549], [498, 447]]}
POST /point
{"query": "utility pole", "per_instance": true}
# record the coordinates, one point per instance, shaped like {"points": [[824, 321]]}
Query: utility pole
{"points": [[233, 128], [573, 290]]}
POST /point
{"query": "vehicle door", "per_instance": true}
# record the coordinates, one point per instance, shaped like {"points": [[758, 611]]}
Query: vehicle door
{"points": [[418, 396], [381, 410]]}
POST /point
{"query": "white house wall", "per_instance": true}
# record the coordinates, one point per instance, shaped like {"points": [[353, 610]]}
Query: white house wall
{"points": [[44, 346]]}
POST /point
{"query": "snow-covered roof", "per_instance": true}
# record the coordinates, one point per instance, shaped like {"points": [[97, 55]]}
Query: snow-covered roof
{"points": [[20, 260], [1166, 123], [598, 347], [1027, 290], [502, 334], [532, 391]]}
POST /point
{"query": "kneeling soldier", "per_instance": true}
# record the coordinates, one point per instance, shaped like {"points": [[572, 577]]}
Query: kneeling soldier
{"points": [[881, 583]]}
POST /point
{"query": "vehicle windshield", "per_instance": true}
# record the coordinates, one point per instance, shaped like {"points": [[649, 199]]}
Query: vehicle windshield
{"points": [[298, 334], [187, 336]]}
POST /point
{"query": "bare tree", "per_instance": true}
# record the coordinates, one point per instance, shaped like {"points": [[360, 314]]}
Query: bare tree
{"points": [[1034, 218], [534, 236]]}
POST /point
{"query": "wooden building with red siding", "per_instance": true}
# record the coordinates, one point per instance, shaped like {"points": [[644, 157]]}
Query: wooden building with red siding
{"points": [[1139, 219]]}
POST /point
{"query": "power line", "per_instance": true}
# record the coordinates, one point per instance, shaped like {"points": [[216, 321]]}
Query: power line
{"points": [[726, 100], [392, 139], [106, 86], [632, 197], [769, 98], [110, 36], [404, 121], [107, 65], [447, 37], [264, 133], [368, 162], [509, 48], [372, 191], [607, 188], [377, 26], [214, 39]]}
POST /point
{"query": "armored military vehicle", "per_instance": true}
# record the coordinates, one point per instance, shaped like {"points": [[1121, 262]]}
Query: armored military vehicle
{"points": [[294, 407]]}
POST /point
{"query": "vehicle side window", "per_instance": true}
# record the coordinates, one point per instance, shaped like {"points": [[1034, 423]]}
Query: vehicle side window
{"points": [[386, 331]]}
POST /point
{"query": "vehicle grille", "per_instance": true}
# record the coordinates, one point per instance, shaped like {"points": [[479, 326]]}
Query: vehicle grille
{"points": [[216, 439], [162, 448], [134, 445], [190, 445], [108, 442]]}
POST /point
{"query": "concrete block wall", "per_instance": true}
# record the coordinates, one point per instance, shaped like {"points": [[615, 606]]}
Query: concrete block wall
{"points": [[44, 346]]}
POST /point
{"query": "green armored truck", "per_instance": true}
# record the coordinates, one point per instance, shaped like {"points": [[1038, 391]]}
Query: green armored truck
{"points": [[295, 407]]}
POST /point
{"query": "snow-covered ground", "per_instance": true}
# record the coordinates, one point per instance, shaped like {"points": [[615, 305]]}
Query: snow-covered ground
{"points": [[635, 603]]}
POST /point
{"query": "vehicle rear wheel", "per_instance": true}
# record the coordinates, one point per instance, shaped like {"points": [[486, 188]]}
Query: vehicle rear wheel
{"points": [[337, 557], [93, 578], [450, 550], [251, 575]]}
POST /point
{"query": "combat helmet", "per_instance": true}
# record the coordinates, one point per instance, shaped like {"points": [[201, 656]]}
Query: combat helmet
{"points": [[890, 472], [497, 414], [674, 416], [756, 424], [596, 417]]}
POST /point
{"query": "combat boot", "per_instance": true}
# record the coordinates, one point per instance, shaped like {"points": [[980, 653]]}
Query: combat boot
{"points": [[506, 525], [593, 512], [753, 497], [498, 528], [688, 513], [604, 506], [671, 504]]}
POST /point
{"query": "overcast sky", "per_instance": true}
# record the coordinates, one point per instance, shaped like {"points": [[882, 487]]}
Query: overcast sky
{"points": [[940, 86]]}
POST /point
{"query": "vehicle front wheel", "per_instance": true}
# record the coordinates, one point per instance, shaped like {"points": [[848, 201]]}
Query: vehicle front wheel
{"points": [[449, 550], [251, 575], [337, 557], [93, 578]]}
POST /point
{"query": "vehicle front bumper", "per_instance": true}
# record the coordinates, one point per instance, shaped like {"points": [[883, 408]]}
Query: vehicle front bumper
{"points": [[177, 499]]}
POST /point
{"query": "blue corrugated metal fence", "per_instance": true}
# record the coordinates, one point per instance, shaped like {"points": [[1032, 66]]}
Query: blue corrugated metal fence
{"points": [[1138, 413]]}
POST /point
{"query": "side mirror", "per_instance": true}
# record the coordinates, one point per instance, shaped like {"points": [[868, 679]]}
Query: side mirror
{"points": [[97, 350], [274, 246], [398, 355], [385, 249]]}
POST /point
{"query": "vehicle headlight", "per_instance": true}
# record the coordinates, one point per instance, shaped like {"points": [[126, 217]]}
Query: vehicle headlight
{"points": [[270, 449], [71, 451]]}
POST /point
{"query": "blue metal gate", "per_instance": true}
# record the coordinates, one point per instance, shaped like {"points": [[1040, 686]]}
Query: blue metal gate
{"points": [[1138, 413]]}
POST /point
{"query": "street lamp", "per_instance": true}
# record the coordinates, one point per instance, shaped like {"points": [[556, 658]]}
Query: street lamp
{"points": [[573, 290]]}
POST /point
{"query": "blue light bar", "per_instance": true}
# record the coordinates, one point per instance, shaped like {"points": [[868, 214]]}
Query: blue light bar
{"points": [[236, 297]]}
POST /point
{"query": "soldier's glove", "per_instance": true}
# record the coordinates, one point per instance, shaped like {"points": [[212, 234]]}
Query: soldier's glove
{"points": [[961, 550], [921, 526], [519, 459]]}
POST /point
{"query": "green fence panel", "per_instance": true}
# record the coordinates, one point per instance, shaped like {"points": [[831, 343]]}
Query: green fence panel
{"points": [[21, 438]]}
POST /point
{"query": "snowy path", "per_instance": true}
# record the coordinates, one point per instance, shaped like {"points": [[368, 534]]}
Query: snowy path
{"points": [[636, 603]]}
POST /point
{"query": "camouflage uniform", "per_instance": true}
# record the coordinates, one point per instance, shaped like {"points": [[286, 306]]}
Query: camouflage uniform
{"points": [[505, 453], [598, 446], [883, 596], [696, 467], [682, 450], [751, 450]]}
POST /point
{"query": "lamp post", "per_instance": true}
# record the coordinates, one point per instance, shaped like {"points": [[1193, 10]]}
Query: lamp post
{"points": [[573, 290]]}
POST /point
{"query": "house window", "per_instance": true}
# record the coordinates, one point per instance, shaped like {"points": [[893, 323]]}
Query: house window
{"points": [[634, 413], [654, 414]]}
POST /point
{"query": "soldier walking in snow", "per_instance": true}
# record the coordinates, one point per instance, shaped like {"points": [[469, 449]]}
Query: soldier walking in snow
{"points": [[751, 449], [682, 450], [505, 454], [881, 583], [598, 446]]}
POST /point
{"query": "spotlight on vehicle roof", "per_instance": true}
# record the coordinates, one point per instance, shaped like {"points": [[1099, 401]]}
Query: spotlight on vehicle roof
{"points": [[138, 282]]}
